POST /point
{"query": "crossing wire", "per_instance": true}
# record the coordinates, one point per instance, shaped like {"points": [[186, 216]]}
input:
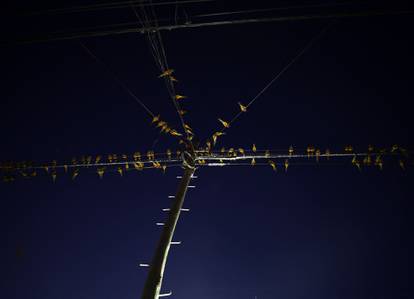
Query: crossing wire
{"points": [[285, 68], [160, 56], [108, 5], [121, 83], [304, 17]]}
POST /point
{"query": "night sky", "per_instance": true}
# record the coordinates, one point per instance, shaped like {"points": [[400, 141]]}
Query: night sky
{"points": [[318, 231]]}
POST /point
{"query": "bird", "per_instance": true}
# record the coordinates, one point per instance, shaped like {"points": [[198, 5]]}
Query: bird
{"points": [[165, 129], [188, 128], [215, 135], [75, 174], [327, 154], [137, 156], [349, 149], [378, 162], [242, 107], [310, 150], [286, 164], [166, 73], [367, 160], [175, 133], [224, 123], [155, 118], [179, 97], [161, 124], [100, 171], [156, 164], [291, 150], [201, 162], [138, 165], [317, 155], [273, 164], [208, 144], [356, 162]]}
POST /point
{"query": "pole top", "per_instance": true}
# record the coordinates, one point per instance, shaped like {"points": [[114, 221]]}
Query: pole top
{"points": [[188, 160]]}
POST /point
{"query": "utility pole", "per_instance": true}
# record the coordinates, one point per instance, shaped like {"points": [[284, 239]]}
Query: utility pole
{"points": [[152, 287]]}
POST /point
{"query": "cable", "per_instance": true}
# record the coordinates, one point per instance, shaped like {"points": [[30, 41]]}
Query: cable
{"points": [[78, 35], [160, 56], [108, 5], [122, 84], [283, 70], [247, 11]]}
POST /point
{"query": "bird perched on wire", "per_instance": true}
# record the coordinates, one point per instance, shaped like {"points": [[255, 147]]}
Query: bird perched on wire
{"points": [[215, 135], [156, 118], [166, 73], [224, 123], [179, 97], [101, 171], [286, 164], [291, 150], [273, 164], [242, 107], [175, 133]]}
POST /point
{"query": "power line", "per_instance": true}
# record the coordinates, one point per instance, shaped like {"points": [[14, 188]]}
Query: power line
{"points": [[279, 8], [78, 35], [108, 5], [284, 69], [121, 83], [158, 51]]}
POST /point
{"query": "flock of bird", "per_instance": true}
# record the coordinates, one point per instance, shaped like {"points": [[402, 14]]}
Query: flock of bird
{"points": [[204, 155], [123, 163]]}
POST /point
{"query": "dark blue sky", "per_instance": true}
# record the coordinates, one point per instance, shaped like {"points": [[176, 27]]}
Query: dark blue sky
{"points": [[321, 231]]}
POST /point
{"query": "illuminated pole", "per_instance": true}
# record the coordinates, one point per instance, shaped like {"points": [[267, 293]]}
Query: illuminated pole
{"points": [[152, 287]]}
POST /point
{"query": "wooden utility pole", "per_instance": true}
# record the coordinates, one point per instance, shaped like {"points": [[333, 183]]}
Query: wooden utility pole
{"points": [[152, 287]]}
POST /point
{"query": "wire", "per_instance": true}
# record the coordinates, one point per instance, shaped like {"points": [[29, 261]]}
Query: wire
{"points": [[284, 69], [122, 84], [78, 35], [108, 5], [248, 11], [158, 51]]}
